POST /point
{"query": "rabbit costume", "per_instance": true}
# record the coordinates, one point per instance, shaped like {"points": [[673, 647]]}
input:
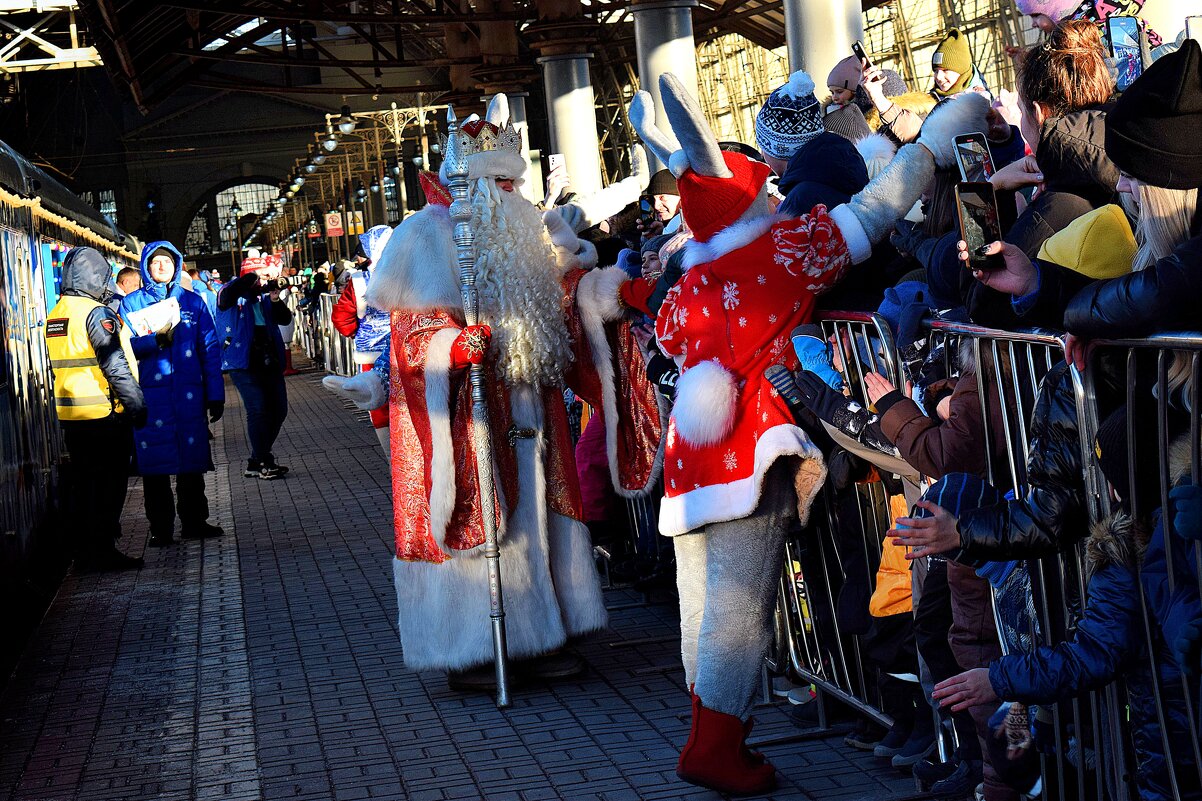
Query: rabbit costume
{"points": [[738, 471]]}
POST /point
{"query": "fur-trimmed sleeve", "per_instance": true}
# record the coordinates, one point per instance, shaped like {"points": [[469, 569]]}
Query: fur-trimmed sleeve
{"points": [[812, 249]]}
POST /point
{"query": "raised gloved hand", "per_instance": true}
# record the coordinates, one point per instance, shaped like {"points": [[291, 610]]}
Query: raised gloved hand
{"points": [[815, 354], [165, 336], [470, 346], [1186, 503], [367, 391], [833, 407], [560, 230], [216, 410]]}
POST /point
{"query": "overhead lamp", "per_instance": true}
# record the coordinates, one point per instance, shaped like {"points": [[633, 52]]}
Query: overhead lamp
{"points": [[360, 190], [290, 193], [346, 123], [298, 179], [235, 207], [418, 161], [331, 140], [435, 147], [375, 184], [319, 159], [396, 167], [311, 167]]}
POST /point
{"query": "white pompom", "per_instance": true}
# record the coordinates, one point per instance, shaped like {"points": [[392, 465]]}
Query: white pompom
{"points": [[800, 84]]}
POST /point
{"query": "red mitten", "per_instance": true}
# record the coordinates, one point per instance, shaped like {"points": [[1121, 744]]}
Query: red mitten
{"points": [[636, 292], [470, 346]]}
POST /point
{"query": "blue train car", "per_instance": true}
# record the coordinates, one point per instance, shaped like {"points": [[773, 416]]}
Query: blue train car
{"points": [[40, 220]]}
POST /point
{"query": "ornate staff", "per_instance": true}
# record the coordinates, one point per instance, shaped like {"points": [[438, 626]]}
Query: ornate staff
{"points": [[461, 213]]}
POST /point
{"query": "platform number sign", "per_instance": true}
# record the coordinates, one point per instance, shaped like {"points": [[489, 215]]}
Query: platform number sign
{"points": [[334, 224]]}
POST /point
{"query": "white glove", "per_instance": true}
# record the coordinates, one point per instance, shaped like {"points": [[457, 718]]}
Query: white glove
{"points": [[965, 113], [366, 390], [560, 230]]}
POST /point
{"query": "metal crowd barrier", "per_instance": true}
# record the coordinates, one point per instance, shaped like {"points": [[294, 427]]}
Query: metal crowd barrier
{"points": [[1091, 754], [329, 347]]}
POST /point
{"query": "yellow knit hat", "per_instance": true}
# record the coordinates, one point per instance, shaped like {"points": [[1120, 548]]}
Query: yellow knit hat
{"points": [[1098, 244]]}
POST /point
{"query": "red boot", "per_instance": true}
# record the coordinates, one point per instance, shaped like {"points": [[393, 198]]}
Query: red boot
{"points": [[716, 757], [288, 368]]}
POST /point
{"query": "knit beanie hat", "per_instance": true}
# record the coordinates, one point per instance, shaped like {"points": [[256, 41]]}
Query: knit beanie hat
{"points": [[1154, 131], [1098, 244], [711, 204], [1056, 9], [160, 251], [791, 116], [846, 74], [1112, 449], [953, 54], [662, 183], [655, 243], [847, 121]]}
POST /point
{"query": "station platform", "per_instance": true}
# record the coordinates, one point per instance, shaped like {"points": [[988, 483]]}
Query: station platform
{"points": [[265, 664]]}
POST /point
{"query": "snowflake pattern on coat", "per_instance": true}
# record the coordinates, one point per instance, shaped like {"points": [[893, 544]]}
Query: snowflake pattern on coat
{"points": [[758, 293]]}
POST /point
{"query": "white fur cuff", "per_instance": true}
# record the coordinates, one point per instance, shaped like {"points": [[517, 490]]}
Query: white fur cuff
{"points": [[598, 292], [853, 233], [706, 401]]}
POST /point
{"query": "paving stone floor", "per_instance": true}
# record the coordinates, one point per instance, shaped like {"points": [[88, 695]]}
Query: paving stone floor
{"points": [[265, 665]]}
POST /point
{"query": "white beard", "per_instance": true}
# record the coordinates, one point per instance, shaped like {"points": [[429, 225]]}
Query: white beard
{"points": [[518, 281]]}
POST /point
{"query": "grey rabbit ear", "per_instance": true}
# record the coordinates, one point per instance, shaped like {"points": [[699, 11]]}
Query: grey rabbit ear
{"points": [[642, 117], [498, 110], [688, 123]]}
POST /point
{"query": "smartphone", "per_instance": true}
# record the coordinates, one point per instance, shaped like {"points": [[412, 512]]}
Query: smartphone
{"points": [[646, 211], [976, 207], [858, 49], [973, 156], [1193, 28], [1123, 33], [554, 160]]}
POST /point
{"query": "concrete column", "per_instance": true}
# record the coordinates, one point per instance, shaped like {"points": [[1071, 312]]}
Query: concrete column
{"points": [[818, 35], [663, 38], [572, 118]]}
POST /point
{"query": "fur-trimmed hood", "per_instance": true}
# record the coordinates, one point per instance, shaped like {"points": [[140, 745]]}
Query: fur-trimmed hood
{"points": [[1114, 542]]}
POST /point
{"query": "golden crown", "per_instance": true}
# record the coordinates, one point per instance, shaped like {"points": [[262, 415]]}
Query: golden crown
{"points": [[478, 136]]}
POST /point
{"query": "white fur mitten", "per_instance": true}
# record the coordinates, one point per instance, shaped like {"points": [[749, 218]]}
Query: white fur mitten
{"points": [[870, 214], [560, 229], [965, 113], [366, 390], [589, 210]]}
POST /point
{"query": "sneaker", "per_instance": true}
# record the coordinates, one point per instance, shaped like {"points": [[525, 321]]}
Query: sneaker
{"points": [[279, 468], [200, 531], [961, 783], [252, 469], [270, 473], [782, 686], [800, 696], [865, 736]]}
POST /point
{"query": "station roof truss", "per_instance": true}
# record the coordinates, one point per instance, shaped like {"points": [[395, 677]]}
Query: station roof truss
{"points": [[38, 35], [369, 47]]}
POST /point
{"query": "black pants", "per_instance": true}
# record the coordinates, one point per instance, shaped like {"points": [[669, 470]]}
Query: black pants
{"points": [[265, 398], [97, 480], [189, 500]]}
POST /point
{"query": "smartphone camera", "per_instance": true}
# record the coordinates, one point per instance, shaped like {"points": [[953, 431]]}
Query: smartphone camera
{"points": [[976, 207], [646, 211]]}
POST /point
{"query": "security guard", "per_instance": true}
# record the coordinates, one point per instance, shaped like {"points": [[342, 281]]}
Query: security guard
{"points": [[98, 400]]}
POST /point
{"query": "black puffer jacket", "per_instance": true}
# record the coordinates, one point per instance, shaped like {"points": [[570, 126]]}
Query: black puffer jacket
{"points": [[1052, 513], [1164, 297], [1078, 177]]}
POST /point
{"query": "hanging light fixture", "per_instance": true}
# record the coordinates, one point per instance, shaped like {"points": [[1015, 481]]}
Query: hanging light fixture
{"points": [[235, 207], [331, 140], [346, 123], [290, 193], [319, 159], [375, 184], [360, 189], [311, 167], [396, 167]]}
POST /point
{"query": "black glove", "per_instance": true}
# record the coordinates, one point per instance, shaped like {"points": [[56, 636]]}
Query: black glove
{"points": [[216, 410], [165, 336], [833, 407], [663, 372], [138, 417]]}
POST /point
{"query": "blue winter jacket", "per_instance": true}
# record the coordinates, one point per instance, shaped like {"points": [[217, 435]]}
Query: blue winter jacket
{"points": [[201, 287], [178, 381], [236, 319], [1109, 643]]}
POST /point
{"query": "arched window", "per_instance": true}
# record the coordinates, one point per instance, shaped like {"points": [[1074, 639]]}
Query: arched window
{"points": [[252, 198]]}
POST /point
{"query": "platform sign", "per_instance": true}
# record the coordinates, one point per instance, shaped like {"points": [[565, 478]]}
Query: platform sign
{"points": [[314, 231], [334, 224], [357, 222]]}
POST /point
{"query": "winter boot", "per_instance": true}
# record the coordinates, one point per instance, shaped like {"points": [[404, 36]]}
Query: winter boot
{"points": [[921, 741], [288, 368], [897, 701], [714, 756], [962, 783]]}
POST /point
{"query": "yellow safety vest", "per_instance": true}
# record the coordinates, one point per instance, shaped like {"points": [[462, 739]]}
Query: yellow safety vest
{"points": [[81, 392]]}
